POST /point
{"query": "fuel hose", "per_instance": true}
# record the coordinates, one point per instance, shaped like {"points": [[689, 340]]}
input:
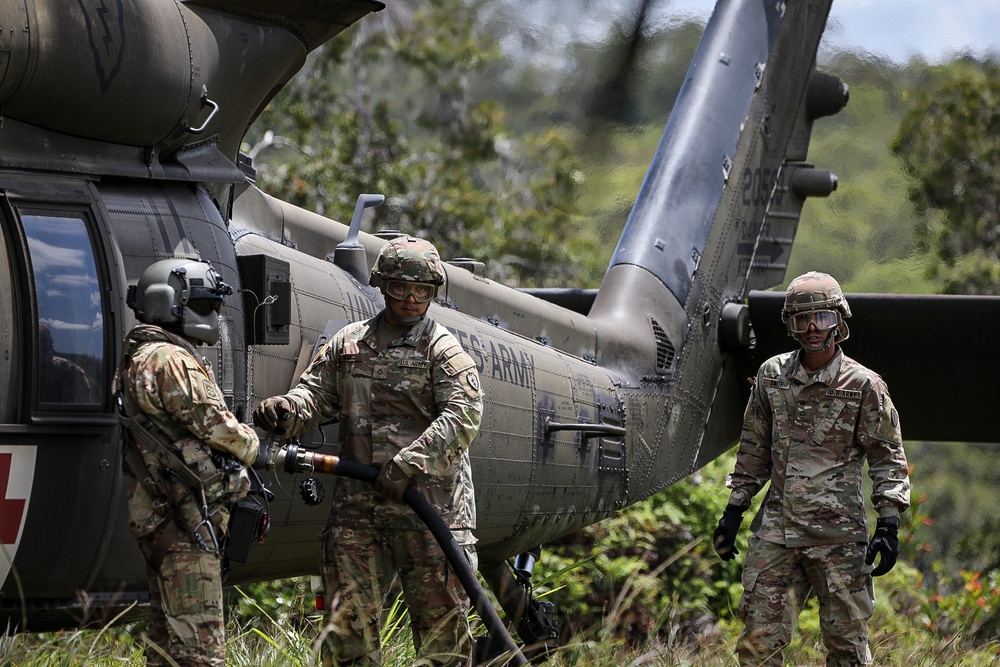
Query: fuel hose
{"points": [[294, 462]]}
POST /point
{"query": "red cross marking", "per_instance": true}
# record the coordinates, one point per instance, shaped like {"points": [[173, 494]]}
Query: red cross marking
{"points": [[11, 510]]}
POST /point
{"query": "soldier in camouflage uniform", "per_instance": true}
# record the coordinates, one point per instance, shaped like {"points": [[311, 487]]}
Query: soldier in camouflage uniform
{"points": [[175, 417], [408, 400], [815, 416]]}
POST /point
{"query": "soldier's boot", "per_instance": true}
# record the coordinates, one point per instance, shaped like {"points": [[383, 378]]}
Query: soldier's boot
{"points": [[327, 658], [760, 649], [328, 661]]}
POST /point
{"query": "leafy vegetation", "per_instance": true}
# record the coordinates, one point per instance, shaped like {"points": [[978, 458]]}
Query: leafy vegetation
{"points": [[864, 232], [949, 141], [649, 592], [643, 588], [390, 112]]}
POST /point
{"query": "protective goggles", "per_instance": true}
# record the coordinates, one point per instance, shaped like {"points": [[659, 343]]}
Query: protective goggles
{"points": [[400, 289], [823, 320]]}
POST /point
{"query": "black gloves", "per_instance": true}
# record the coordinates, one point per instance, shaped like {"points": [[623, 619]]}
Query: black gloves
{"points": [[273, 415], [885, 541], [392, 481], [724, 539]]}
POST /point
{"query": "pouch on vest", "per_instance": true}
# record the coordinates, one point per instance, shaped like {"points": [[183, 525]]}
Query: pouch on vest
{"points": [[224, 478], [248, 524], [205, 523], [248, 521]]}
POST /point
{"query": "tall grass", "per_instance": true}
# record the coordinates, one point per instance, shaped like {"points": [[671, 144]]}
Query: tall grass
{"points": [[908, 630], [640, 589]]}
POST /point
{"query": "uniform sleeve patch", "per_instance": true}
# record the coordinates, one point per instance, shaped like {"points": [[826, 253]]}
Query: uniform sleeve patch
{"points": [[469, 380], [458, 363], [208, 389]]}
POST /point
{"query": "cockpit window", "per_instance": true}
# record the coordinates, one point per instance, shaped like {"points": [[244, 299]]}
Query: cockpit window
{"points": [[71, 364]]}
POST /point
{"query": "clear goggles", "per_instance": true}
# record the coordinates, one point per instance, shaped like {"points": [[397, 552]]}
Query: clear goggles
{"points": [[822, 320], [400, 289]]}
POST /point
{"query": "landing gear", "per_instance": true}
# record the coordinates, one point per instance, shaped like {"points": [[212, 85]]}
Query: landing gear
{"points": [[533, 620]]}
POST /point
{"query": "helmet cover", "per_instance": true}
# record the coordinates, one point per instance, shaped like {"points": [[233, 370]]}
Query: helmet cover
{"points": [[409, 259]]}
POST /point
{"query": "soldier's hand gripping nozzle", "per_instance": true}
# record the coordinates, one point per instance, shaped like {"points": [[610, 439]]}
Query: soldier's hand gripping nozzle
{"points": [[273, 415]]}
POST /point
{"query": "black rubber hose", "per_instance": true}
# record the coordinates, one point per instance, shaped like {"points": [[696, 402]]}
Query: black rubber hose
{"points": [[452, 551]]}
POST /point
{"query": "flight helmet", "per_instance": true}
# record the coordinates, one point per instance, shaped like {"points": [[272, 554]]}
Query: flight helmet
{"points": [[406, 259], [183, 296], [816, 298]]}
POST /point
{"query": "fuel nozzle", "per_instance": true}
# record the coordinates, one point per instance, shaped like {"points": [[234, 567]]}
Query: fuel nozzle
{"points": [[285, 457], [293, 461]]}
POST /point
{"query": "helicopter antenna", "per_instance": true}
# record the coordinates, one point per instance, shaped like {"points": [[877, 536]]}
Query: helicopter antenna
{"points": [[350, 254]]}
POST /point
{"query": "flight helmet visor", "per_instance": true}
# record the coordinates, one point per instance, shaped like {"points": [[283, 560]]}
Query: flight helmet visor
{"points": [[202, 302], [205, 300]]}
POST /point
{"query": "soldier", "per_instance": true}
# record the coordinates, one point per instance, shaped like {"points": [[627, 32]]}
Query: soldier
{"points": [[814, 417], [185, 454], [408, 400]]}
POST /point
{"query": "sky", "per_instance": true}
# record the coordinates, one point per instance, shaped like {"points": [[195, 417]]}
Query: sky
{"points": [[900, 29]]}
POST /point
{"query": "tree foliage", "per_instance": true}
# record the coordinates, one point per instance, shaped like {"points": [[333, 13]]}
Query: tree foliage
{"points": [[863, 233], [949, 141], [390, 112]]}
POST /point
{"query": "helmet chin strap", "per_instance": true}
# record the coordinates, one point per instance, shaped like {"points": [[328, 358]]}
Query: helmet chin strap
{"points": [[398, 320], [831, 338]]}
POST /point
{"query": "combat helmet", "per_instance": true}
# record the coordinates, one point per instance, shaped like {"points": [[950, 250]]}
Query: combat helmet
{"points": [[408, 259], [816, 298], [181, 295]]}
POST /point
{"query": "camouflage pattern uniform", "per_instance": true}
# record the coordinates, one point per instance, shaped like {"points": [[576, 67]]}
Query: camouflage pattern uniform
{"points": [[810, 435], [179, 396], [417, 401]]}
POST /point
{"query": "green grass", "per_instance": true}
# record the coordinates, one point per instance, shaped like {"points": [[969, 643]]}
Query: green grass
{"points": [[256, 646], [643, 588], [269, 633]]}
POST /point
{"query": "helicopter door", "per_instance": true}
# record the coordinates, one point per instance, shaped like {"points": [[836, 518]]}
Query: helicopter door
{"points": [[59, 449], [71, 365]]}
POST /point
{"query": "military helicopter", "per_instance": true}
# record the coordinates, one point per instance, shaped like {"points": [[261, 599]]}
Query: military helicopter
{"points": [[119, 146]]}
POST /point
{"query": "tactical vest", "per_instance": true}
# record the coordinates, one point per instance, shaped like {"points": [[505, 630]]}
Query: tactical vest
{"points": [[192, 484]]}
